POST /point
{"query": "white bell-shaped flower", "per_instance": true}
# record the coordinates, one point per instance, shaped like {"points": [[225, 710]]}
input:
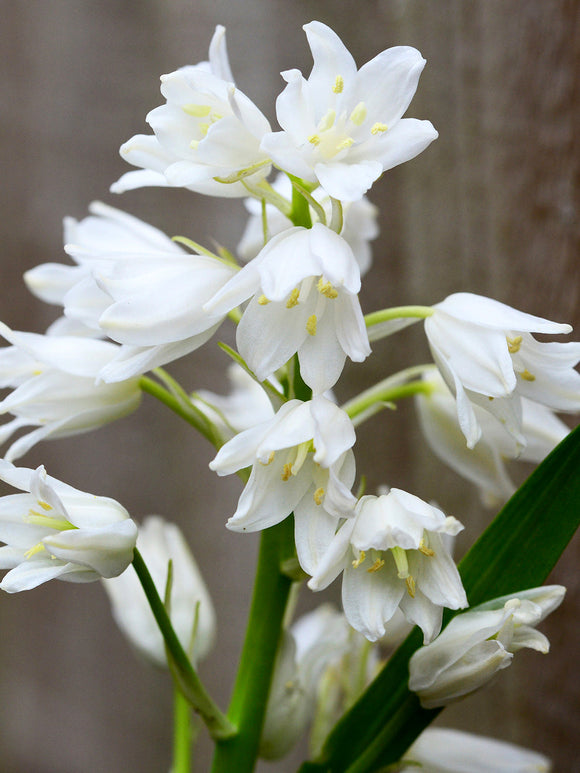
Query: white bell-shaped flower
{"points": [[392, 555], [487, 357], [343, 127], [55, 387], [207, 129], [485, 464], [191, 610], [479, 643], [301, 462], [303, 288], [56, 531]]}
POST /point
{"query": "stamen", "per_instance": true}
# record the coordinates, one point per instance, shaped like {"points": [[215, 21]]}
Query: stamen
{"points": [[262, 300], [326, 289], [358, 115], [286, 472], [203, 128], [401, 562], [314, 139], [293, 299], [344, 144], [527, 376], [410, 583], [194, 144], [379, 128], [38, 548], [44, 505], [514, 344], [338, 84], [319, 495], [359, 560], [311, 325], [197, 111], [301, 452], [425, 550], [270, 460], [326, 121], [379, 563]]}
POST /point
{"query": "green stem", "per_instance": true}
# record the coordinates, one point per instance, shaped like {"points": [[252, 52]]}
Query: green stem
{"points": [[183, 672], [393, 388], [179, 403], [181, 734], [250, 695], [397, 312]]}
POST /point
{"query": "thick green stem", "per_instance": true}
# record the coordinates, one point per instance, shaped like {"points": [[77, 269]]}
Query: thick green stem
{"points": [[248, 705], [182, 734], [183, 672]]}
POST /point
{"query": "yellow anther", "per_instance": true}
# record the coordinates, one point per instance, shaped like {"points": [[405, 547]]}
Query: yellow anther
{"points": [[338, 84], [286, 471], [359, 560], [270, 460], [203, 128], [38, 548], [293, 299], [197, 111], [262, 300], [410, 583], [319, 495], [44, 505], [527, 376], [344, 144], [311, 325], [358, 115], [194, 144], [379, 128], [514, 344], [314, 139], [425, 550], [379, 563], [326, 289], [327, 120]]}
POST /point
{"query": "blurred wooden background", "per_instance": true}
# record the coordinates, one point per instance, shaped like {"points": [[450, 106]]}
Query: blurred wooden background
{"points": [[491, 207]]}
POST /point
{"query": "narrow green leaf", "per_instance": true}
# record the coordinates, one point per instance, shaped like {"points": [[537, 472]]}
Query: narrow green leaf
{"points": [[517, 551]]}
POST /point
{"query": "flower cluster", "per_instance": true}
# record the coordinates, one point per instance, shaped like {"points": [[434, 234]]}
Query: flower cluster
{"points": [[135, 300]]}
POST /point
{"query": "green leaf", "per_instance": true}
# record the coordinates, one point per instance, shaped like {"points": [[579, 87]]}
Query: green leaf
{"points": [[517, 551]]}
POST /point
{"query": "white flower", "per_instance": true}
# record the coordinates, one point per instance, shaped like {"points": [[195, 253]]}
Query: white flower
{"points": [[440, 750], [55, 531], [487, 356], [392, 555], [301, 462], [359, 224], [246, 405], [55, 389], [304, 285], [207, 129], [321, 667], [343, 128], [484, 465], [136, 285], [191, 609], [478, 643]]}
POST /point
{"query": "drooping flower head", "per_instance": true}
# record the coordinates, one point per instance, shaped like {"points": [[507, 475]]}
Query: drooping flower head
{"points": [[207, 129], [487, 357], [480, 642], [301, 462], [343, 127], [55, 387], [392, 555], [54, 531], [303, 288]]}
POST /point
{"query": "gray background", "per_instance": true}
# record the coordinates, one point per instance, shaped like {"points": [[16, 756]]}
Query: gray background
{"points": [[491, 207]]}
